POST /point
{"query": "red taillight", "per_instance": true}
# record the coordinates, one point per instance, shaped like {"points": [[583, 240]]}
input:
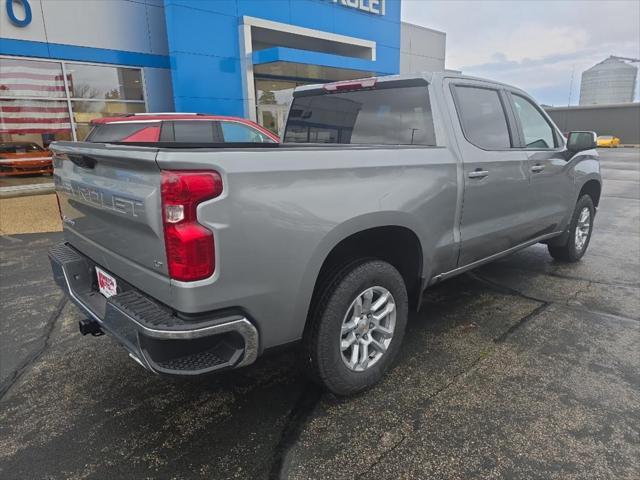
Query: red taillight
{"points": [[189, 245]]}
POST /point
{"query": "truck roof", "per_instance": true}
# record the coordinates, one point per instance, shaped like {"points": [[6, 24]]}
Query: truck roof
{"points": [[429, 77]]}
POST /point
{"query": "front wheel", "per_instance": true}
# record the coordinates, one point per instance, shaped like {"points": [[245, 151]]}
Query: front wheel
{"points": [[357, 326], [580, 229]]}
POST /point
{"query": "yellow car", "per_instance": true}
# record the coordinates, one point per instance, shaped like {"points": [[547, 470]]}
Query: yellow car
{"points": [[608, 141]]}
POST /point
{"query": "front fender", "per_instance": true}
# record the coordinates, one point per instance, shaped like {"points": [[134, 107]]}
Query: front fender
{"points": [[585, 166]]}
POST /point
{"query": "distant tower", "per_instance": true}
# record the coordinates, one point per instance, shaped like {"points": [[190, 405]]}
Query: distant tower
{"points": [[610, 81]]}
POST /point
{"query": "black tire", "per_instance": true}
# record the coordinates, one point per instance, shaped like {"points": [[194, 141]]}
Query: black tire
{"points": [[323, 334], [569, 252]]}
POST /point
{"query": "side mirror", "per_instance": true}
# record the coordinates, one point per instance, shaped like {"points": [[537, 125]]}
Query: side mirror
{"points": [[580, 141]]}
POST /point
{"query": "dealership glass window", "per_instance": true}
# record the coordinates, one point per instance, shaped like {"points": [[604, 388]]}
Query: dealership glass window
{"points": [[84, 111], [33, 106], [39, 98], [36, 121], [104, 82], [30, 78]]}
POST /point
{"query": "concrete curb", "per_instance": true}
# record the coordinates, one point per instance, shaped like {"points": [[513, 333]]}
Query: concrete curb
{"points": [[26, 190]]}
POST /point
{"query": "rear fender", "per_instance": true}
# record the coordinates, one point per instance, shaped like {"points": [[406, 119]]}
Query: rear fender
{"points": [[341, 232]]}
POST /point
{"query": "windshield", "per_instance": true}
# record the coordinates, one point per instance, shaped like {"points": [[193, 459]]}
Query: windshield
{"points": [[397, 115]]}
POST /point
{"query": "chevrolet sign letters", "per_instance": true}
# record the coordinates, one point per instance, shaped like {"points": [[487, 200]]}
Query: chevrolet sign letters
{"points": [[376, 7]]}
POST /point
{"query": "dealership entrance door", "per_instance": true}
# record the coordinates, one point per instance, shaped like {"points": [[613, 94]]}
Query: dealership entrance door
{"points": [[275, 83], [273, 97], [273, 117]]}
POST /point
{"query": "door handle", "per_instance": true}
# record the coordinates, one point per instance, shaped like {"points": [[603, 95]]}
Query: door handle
{"points": [[537, 168], [478, 173]]}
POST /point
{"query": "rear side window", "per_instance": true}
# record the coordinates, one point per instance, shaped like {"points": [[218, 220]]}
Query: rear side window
{"points": [[535, 128], [483, 118], [198, 131], [238, 132], [118, 132], [387, 116]]}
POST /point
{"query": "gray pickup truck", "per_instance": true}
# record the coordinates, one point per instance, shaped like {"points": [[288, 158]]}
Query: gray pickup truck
{"points": [[200, 257]]}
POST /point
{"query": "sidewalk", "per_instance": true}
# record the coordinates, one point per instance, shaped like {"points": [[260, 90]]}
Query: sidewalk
{"points": [[29, 214]]}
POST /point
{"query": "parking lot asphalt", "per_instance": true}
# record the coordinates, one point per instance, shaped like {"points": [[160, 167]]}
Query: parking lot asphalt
{"points": [[525, 368]]}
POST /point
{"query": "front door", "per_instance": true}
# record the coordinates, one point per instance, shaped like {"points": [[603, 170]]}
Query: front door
{"points": [[547, 162], [497, 193]]}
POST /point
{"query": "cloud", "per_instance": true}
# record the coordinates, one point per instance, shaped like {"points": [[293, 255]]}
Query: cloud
{"points": [[537, 46]]}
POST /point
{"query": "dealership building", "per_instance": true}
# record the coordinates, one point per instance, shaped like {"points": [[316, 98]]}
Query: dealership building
{"points": [[65, 62]]}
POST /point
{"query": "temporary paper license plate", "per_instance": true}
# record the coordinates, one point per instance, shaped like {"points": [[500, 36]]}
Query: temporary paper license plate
{"points": [[106, 283]]}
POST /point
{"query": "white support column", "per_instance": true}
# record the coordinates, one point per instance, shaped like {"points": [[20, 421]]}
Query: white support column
{"points": [[246, 65]]}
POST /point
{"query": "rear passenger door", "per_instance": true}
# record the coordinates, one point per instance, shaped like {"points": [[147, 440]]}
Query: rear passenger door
{"points": [[497, 196], [541, 142]]}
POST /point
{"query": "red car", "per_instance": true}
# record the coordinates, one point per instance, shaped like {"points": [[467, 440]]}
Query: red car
{"points": [[24, 158], [178, 127]]}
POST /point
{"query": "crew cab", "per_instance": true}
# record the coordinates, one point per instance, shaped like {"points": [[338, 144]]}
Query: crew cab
{"points": [[201, 258]]}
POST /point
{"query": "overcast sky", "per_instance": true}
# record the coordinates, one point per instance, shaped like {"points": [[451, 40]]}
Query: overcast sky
{"points": [[534, 45]]}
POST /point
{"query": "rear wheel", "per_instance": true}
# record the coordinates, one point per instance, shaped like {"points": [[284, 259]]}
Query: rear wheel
{"points": [[580, 229], [357, 326]]}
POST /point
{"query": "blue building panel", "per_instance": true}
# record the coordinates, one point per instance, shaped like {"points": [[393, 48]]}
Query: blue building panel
{"points": [[319, 15], [361, 25], [204, 44], [202, 32], [224, 7], [276, 10], [58, 51], [206, 76], [219, 106]]}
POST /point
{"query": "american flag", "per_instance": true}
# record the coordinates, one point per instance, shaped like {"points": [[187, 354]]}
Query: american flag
{"points": [[28, 115]]}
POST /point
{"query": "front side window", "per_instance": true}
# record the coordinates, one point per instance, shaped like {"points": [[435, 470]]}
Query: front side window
{"points": [[384, 116], [238, 132], [483, 118], [537, 131]]}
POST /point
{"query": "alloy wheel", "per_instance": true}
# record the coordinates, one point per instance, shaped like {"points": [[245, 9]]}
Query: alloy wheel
{"points": [[367, 328], [583, 228]]}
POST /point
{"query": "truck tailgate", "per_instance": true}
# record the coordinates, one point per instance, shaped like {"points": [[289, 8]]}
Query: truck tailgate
{"points": [[110, 202]]}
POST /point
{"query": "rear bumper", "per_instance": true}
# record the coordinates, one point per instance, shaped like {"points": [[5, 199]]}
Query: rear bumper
{"points": [[155, 336]]}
